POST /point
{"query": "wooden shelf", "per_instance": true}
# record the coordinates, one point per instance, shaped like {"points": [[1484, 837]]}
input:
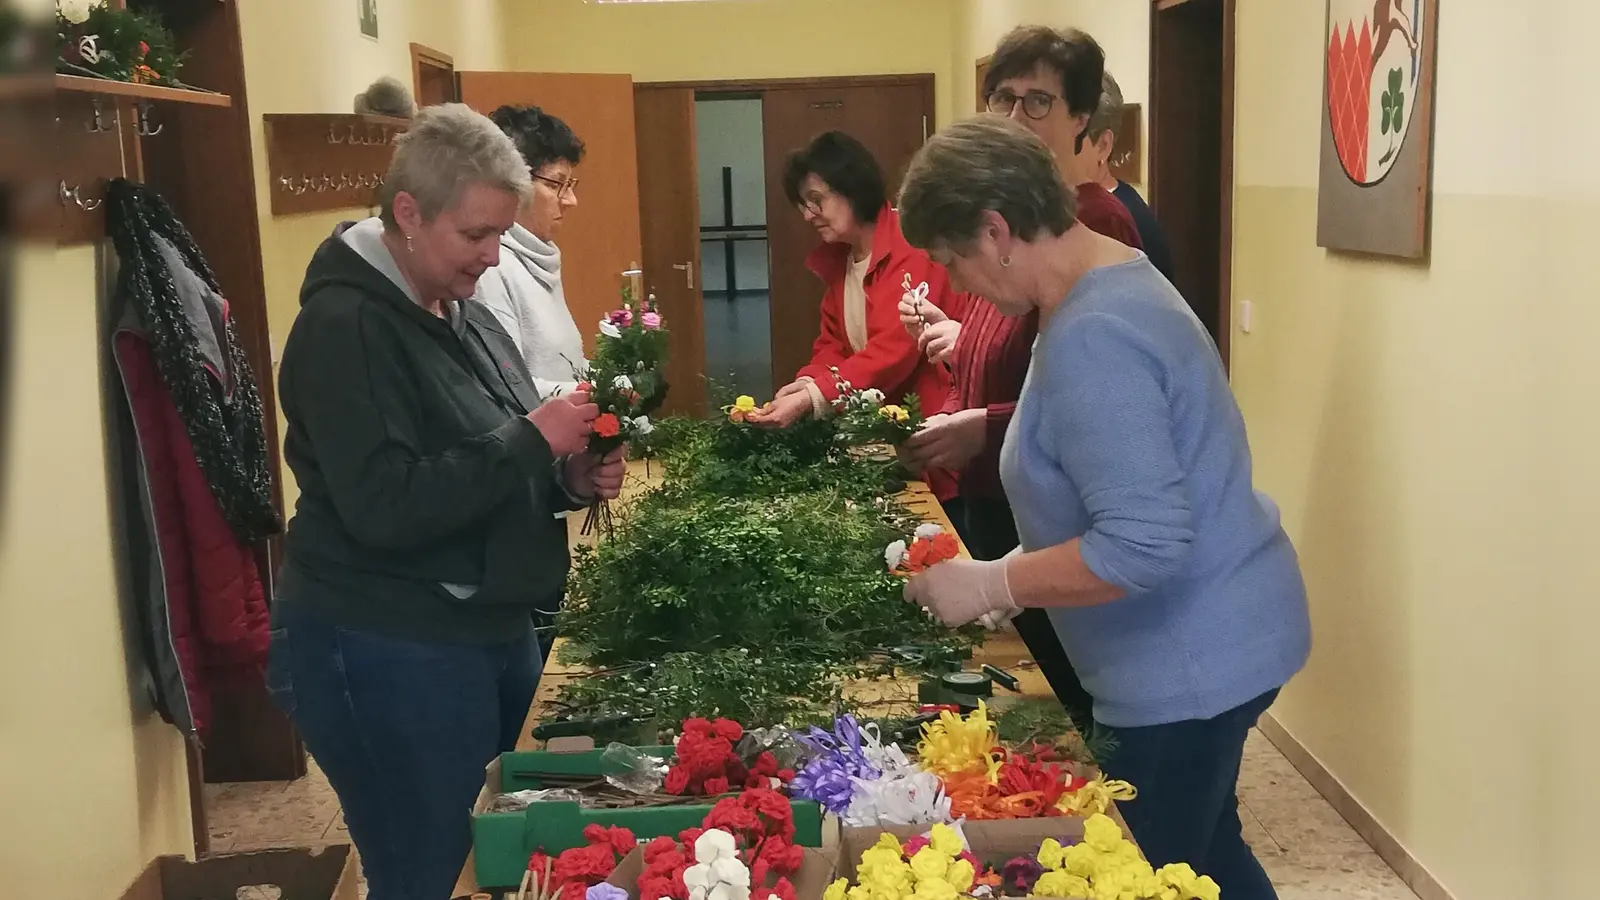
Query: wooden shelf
{"points": [[152, 92]]}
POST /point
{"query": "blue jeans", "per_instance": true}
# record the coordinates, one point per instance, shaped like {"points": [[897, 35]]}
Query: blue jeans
{"points": [[403, 730], [1187, 774]]}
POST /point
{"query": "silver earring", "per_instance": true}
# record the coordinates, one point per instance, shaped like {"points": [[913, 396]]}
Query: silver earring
{"points": [[1005, 262], [409, 248]]}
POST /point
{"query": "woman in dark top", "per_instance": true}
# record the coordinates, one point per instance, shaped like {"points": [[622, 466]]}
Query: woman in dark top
{"points": [[424, 537]]}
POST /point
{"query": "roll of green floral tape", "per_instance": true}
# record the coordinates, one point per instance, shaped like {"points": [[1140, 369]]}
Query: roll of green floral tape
{"points": [[969, 684]]}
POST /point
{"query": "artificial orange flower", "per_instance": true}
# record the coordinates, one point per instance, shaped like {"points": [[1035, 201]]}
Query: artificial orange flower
{"points": [[607, 426]]}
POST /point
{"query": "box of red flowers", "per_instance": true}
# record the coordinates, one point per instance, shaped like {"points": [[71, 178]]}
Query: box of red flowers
{"points": [[544, 800]]}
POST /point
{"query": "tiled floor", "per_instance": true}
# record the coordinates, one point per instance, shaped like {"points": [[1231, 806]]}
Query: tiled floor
{"points": [[1305, 846]]}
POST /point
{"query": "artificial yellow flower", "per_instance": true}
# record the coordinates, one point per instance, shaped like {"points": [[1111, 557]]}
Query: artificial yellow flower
{"points": [[961, 875], [935, 889], [956, 745], [837, 890], [1102, 834], [1060, 884], [1188, 885], [1051, 854], [1081, 860], [894, 413], [744, 403], [929, 864], [944, 839]]}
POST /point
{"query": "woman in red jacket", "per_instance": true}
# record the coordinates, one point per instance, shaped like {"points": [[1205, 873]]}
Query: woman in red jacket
{"points": [[864, 262]]}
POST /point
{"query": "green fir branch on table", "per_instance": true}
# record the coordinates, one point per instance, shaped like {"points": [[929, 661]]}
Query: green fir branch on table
{"points": [[1043, 720]]}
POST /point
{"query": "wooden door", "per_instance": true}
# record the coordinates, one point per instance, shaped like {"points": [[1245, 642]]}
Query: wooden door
{"points": [[600, 238], [669, 216], [1191, 150], [892, 118]]}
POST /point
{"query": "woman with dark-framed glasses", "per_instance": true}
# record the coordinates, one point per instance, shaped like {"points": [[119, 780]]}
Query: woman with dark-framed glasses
{"points": [[524, 290], [865, 266]]}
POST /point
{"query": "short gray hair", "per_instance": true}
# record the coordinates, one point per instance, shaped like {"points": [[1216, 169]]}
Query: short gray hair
{"points": [[446, 148], [985, 164], [1108, 117]]}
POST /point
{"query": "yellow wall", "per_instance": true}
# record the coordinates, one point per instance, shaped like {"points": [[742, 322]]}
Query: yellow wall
{"points": [[1428, 432], [94, 784], [1426, 429], [705, 41], [309, 56]]}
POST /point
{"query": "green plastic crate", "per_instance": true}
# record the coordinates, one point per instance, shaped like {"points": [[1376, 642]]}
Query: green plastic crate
{"points": [[502, 842]]}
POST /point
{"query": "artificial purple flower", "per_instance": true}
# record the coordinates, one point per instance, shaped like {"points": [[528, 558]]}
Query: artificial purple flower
{"points": [[604, 891], [838, 758], [622, 318], [651, 320], [1021, 874]]}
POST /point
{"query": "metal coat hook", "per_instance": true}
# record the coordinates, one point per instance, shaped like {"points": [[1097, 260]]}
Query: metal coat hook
{"points": [[333, 136], [74, 195], [141, 118], [97, 125], [382, 136]]}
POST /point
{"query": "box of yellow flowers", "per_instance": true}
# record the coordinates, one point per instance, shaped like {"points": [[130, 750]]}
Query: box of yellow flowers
{"points": [[951, 862]]}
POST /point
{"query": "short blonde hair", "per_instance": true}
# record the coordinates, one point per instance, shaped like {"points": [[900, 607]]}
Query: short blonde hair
{"points": [[985, 164], [446, 148]]}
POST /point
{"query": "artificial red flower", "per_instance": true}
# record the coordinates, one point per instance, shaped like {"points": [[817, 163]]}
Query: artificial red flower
{"points": [[785, 775], [658, 848], [728, 728], [607, 426], [584, 387], [717, 786], [784, 889], [144, 49], [943, 546], [766, 764], [677, 781]]}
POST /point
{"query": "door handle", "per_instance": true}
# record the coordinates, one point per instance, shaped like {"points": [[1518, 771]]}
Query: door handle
{"points": [[688, 272], [924, 129]]}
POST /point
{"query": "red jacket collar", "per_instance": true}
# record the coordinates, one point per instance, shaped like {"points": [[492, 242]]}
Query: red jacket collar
{"points": [[829, 261]]}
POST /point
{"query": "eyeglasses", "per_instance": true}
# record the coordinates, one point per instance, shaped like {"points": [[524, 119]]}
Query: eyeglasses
{"points": [[812, 203], [1035, 104], [569, 187]]}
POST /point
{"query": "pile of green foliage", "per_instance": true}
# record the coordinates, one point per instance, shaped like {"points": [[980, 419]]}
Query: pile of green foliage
{"points": [[751, 583]]}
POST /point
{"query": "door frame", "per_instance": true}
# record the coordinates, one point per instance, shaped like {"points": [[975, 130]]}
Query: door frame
{"points": [[759, 86], [1153, 146]]}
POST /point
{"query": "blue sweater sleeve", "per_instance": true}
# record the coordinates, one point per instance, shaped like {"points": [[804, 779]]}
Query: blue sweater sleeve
{"points": [[1109, 425]]}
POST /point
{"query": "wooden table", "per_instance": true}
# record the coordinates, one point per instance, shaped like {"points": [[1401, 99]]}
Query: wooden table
{"points": [[1004, 649]]}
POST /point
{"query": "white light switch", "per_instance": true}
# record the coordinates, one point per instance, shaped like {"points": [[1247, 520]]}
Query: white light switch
{"points": [[1246, 315]]}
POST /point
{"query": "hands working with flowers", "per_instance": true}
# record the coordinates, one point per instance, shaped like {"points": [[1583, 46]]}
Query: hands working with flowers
{"points": [[947, 441], [936, 333], [566, 422]]}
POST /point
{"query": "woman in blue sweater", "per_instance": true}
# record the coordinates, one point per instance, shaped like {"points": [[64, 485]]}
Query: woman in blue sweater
{"points": [[1172, 585]]}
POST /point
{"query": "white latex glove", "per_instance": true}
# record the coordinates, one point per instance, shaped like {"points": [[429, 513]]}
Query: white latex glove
{"points": [[959, 591]]}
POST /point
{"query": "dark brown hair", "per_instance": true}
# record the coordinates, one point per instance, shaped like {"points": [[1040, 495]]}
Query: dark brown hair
{"points": [[846, 166], [1075, 58]]}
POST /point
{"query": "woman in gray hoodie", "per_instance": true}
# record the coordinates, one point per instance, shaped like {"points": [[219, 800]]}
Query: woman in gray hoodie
{"points": [[524, 290]]}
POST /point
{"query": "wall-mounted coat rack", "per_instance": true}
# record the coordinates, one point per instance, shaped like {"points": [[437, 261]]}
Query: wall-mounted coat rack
{"points": [[326, 161], [100, 132]]}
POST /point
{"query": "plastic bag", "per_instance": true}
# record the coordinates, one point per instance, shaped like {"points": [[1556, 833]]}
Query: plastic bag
{"points": [[629, 769]]}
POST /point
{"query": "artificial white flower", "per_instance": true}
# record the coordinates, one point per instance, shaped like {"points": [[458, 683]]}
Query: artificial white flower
{"points": [[697, 877], [695, 893], [713, 845], [730, 871], [929, 531], [77, 11], [642, 426], [609, 330], [895, 554], [873, 396], [622, 383]]}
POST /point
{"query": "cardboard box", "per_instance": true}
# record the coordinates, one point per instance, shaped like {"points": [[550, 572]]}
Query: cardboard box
{"points": [[810, 881], [502, 841], [992, 842], [328, 873]]}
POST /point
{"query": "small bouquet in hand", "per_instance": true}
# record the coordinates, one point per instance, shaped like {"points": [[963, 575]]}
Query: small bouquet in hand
{"points": [[627, 380], [864, 418], [929, 546]]}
